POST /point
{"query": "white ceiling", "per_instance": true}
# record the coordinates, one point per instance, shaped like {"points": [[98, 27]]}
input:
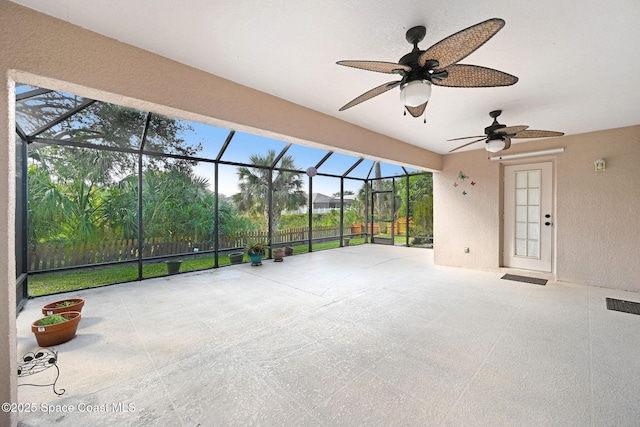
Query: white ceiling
{"points": [[578, 61]]}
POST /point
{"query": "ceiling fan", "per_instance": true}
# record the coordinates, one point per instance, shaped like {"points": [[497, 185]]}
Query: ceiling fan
{"points": [[437, 65], [498, 136]]}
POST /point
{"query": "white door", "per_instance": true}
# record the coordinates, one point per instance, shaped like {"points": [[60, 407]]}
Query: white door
{"points": [[528, 220]]}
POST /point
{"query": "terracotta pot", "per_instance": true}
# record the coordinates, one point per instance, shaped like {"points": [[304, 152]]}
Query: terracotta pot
{"points": [[278, 254], [52, 308], [50, 335]]}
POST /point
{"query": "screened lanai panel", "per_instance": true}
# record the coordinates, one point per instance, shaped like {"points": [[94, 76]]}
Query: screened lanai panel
{"points": [[102, 124], [421, 210], [362, 170], [325, 201], [81, 211], [354, 210], [411, 170], [304, 157], [337, 164], [178, 215], [252, 149], [184, 138], [388, 170], [34, 112], [236, 226]]}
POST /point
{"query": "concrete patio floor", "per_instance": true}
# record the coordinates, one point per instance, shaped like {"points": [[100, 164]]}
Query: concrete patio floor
{"points": [[368, 335]]}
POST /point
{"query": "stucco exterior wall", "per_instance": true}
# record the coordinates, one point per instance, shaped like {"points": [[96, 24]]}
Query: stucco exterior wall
{"points": [[597, 212], [596, 226], [8, 355]]}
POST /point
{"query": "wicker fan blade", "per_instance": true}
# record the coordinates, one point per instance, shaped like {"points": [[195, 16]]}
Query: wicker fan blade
{"points": [[460, 75], [459, 45], [379, 67], [370, 94], [511, 130], [417, 111], [537, 134], [468, 143], [466, 137], [507, 143]]}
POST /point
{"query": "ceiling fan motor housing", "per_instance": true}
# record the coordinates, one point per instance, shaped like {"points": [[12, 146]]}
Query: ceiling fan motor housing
{"points": [[493, 128]]}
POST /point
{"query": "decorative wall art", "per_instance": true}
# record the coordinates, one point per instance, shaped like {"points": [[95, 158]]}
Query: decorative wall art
{"points": [[462, 181]]}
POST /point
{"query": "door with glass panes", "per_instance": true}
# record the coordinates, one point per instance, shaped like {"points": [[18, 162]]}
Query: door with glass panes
{"points": [[528, 216]]}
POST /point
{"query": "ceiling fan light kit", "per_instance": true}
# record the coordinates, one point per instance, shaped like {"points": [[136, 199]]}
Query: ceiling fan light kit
{"points": [[415, 93], [494, 145]]}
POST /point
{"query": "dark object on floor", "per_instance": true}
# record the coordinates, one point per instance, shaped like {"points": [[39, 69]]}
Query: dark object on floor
{"points": [[37, 361], [517, 278], [624, 306]]}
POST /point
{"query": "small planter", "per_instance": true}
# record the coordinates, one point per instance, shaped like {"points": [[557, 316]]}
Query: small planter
{"points": [[256, 252], [58, 333], [278, 254], [256, 259], [69, 304], [173, 267], [288, 250], [346, 241], [236, 257]]}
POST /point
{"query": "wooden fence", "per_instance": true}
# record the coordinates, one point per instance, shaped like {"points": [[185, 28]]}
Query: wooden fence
{"points": [[45, 256]]}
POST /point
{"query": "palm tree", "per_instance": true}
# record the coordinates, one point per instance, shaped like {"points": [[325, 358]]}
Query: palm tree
{"points": [[254, 188]]}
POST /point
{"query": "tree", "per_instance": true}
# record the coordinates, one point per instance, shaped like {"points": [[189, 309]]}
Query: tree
{"points": [[66, 199], [174, 205], [254, 188], [69, 187], [420, 203], [346, 193]]}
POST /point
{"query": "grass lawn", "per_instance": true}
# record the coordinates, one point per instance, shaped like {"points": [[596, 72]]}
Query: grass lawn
{"points": [[70, 280]]}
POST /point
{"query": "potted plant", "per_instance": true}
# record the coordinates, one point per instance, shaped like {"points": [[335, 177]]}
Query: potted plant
{"points": [[56, 329], [256, 252], [69, 304], [278, 254], [236, 257], [173, 266], [288, 250]]}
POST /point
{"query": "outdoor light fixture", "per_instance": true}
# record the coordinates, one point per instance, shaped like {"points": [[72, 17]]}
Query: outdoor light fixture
{"points": [[599, 165], [311, 171], [494, 145], [415, 93]]}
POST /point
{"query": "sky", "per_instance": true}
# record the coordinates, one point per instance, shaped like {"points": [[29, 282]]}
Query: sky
{"points": [[243, 145]]}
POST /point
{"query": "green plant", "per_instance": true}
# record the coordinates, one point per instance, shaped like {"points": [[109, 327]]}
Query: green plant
{"points": [[51, 320], [257, 248], [65, 304]]}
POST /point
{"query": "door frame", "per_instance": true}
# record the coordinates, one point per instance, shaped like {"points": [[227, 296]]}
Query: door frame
{"points": [[553, 209], [375, 219]]}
